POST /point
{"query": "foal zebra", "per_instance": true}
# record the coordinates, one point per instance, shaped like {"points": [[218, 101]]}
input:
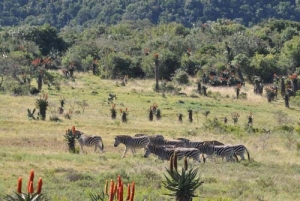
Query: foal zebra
{"points": [[131, 143], [86, 140]]}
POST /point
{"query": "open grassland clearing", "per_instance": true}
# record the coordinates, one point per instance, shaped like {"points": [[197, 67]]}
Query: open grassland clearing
{"points": [[272, 174]]}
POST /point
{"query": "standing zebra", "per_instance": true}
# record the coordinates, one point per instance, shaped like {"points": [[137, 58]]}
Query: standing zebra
{"points": [[195, 144], [175, 143], [157, 139], [86, 140], [166, 153], [219, 151], [131, 143], [240, 150], [162, 152]]}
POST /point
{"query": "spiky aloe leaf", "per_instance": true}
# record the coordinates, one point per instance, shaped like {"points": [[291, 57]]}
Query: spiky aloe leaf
{"points": [[25, 197]]}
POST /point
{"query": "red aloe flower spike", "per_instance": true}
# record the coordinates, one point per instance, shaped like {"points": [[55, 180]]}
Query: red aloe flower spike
{"points": [[132, 192], [19, 189], [30, 189], [40, 184]]}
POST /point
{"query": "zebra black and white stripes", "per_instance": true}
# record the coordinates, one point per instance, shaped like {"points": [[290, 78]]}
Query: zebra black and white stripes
{"points": [[162, 152], [239, 150], [165, 153], [217, 150], [131, 143], [86, 140]]}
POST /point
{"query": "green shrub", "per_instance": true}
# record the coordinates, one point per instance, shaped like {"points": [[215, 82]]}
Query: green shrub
{"points": [[181, 77]]}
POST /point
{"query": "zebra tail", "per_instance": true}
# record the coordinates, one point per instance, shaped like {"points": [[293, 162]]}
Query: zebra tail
{"points": [[102, 145], [248, 154]]}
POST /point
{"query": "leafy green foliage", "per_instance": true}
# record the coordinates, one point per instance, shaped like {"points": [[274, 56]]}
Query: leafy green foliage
{"points": [[188, 13]]}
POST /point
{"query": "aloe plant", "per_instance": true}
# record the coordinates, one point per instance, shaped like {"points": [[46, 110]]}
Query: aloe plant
{"points": [[182, 183], [42, 104], [31, 195]]}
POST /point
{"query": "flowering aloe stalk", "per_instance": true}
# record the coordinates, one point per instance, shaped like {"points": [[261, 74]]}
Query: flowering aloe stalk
{"points": [[31, 196]]}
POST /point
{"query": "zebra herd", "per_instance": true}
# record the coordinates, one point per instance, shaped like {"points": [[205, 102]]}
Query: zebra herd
{"points": [[164, 149]]}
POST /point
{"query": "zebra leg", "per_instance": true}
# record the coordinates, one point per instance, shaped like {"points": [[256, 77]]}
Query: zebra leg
{"points": [[124, 152], [81, 147], [132, 150], [98, 146]]}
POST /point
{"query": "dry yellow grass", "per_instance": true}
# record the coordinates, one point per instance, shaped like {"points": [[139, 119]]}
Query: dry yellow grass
{"points": [[27, 144]]}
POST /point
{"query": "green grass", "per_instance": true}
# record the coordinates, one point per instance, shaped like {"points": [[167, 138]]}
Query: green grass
{"points": [[272, 174]]}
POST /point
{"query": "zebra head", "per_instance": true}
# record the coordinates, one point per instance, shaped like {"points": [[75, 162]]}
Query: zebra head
{"points": [[78, 134], [147, 151], [117, 141]]}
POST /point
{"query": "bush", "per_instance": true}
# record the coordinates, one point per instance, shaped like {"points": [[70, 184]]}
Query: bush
{"points": [[181, 77]]}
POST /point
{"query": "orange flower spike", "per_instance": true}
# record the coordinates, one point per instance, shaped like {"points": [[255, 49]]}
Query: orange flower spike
{"points": [[40, 184], [128, 192], [115, 190], [120, 197], [30, 189], [111, 191], [19, 189], [73, 129], [132, 192], [119, 180], [106, 187], [31, 175]]}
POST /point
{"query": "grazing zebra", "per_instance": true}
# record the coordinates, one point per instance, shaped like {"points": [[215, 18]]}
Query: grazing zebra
{"points": [[175, 143], [165, 153], [86, 140], [217, 150], [131, 143], [154, 139], [159, 140], [240, 150], [195, 144], [162, 152], [189, 153]]}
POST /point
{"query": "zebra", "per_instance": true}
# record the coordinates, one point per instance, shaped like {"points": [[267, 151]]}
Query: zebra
{"points": [[165, 153], [86, 140], [218, 150], [195, 144], [162, 152], [157, 139], [239, 150], [176, 143], [131, 143], [189, 153]]}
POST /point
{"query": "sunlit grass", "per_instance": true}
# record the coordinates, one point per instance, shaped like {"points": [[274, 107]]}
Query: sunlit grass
{"points": [[272, 174]]}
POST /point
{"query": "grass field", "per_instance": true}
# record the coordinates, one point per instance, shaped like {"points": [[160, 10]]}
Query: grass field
{"points": [[272, 174]]}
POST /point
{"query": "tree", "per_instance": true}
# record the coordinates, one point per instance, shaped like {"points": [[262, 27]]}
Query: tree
{"points": [[290, 53]]}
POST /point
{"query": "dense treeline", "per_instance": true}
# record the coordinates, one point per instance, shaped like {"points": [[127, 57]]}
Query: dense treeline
{"points": [[188, 12], [128, 49]]}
